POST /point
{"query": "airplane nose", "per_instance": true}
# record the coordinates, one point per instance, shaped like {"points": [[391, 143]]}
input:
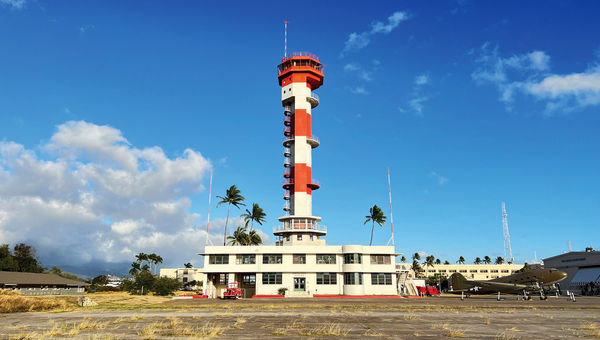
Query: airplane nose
{"points": [[562, 275]]}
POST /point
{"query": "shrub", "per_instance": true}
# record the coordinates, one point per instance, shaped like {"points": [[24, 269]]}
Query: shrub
{"points": [[165, 286], [282, 290]]}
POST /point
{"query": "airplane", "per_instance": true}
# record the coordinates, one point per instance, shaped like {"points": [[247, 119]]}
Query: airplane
{"points": [[534, 280]]}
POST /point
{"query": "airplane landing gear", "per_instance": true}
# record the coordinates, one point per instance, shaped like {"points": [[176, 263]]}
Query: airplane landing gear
{"points": [[498, 298]]}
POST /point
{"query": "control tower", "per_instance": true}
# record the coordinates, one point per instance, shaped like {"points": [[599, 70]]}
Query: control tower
{"points": [[299, 75]]}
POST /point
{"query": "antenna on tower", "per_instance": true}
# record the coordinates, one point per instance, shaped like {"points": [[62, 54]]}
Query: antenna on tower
{"points": [[285, 39], [391, 214], [507, 249]]}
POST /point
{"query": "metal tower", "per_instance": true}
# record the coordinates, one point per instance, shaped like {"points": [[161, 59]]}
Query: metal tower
{"points": [[507, 250], [299, 74]]}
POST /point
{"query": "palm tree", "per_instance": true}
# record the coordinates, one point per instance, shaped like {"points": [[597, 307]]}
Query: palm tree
{"points": [[375, 216], [487, 260], [403, 259], [477, 260], [461, 260], [429, 261], [254, 239], [257, 214], [499, 260], [438, 261], [446, 262], [188, 265], [157, 260], [145, 268], [141, 257], [416, 267], [416, 257], [239, 237], [152, 261], [232, 196], [135, 269]]}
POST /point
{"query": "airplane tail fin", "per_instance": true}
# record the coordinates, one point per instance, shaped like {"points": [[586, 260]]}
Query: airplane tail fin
{"points": [[458, 282]]}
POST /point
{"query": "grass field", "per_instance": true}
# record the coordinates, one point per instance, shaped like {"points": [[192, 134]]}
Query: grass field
{"points": [[121, 316]]}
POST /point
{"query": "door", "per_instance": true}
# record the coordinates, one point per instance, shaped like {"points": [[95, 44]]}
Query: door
{"points": [[299, 284]]}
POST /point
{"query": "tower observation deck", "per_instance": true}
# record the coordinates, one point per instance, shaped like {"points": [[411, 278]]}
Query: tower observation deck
{"points": [[299, 75]]}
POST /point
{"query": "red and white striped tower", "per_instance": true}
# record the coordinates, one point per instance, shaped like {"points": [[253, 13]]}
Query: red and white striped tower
{"points": [[299, 75]]}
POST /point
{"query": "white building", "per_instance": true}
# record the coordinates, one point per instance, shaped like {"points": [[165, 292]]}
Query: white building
{"points": [[185, 275], [300, 261]]}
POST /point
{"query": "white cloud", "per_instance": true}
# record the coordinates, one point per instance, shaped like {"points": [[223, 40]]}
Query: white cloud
{"points": [[16, 4], [417, 105], [359, 90], [361, 40], [441, 180], [90, 174], [422, 79], [529, 74]]}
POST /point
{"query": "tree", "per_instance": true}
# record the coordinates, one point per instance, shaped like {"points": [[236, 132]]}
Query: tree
{"points": [[257, 214], [233, 197], [487, 260], [375, 216], [403, 259], [151, 260], [165, 286], [239, 237], [526, 267], [57, 271], [141, 257], [416, 257], [157, 260], [135, 269], [477, 260], [26, 259], [438, 261], [461, 260], [416, 267], [7, 261], [254, 239], [446, 262], [429, 261], [499, 260], [188, 265]]}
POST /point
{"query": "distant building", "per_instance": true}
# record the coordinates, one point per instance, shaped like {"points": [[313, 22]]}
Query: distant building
{"points": [[184, 275], [582, 268], [470, 271], [113, 281], [40, 284]]}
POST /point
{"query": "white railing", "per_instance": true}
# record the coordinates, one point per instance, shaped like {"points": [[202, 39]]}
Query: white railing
{"points": [[314, 95], [300, 227]]}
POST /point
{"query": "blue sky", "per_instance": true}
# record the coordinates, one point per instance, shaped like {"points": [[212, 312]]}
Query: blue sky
{"points": [[468, 103]]}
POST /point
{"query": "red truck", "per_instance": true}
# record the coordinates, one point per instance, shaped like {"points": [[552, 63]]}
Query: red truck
{"points": [[427, 291], [233, 291]]}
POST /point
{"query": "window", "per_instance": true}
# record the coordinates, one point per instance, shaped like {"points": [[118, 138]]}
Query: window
{"points": [[245, 259], [221, 279], [483, 271], [452, 271], [218, 259], [185, 280], [271, 278], [287, 238], [494, 270], [473, 271], [352, 258], [381, 278], [353, 278], [442, 270], [505, 271], [185, 271], [249, 279], [272, 258], [463, 270], [380, 259], [325, 258], [299, 237], [299, 258], [326, 278]]}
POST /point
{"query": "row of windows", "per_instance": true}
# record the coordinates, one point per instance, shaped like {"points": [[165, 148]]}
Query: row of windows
{"points": [[331, 278], [470, 271], [298, 259]]}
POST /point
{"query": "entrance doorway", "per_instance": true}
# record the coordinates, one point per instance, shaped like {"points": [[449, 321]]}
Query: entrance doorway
{"points": [[299, 284], [248, 284]]}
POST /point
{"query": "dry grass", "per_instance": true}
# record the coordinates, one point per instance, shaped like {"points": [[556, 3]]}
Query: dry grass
{"points": [[588, 326], [24, 336], [372, 332], [455, 333], [295, 325], [593, 334], [513, 329], [330, 329], [125, 300], [279, 332], [127, 320], [14, 302], [239, 322], [408, 317], [442, 326], [487, 321], [505, 336], [103, 337]]}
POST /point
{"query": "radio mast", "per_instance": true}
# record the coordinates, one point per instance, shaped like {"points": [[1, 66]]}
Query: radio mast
{"points": [[507, 250]]}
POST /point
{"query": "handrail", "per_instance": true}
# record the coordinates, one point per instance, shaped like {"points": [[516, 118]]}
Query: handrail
{"points": [[302, 54], [313, 137], [315, 96], [300, 226], [314, 181]]}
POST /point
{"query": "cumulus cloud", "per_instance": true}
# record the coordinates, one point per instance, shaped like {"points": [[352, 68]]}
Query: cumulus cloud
{"points": [[529, 74], [16, 4], [417, 98], [92, 196], [362, 74], [421, 79], [359, 40]]}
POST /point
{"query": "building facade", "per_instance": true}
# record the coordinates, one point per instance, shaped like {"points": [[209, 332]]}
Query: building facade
{"points": [[185, 275], [300, 261], [582, 268], [40, 284], [469, 271]]}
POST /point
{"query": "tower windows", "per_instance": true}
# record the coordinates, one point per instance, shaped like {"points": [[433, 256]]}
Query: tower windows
{"points": [[352, 258], [326, 278], [272, 259], [353, 278], [218, 259], [245, 259], [326, 259], [381, 278], [380, 259], [299, 258], [271, 278]]}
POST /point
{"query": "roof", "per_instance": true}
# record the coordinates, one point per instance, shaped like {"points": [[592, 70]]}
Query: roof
{"points": [[586, 275], [37, 279]]}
